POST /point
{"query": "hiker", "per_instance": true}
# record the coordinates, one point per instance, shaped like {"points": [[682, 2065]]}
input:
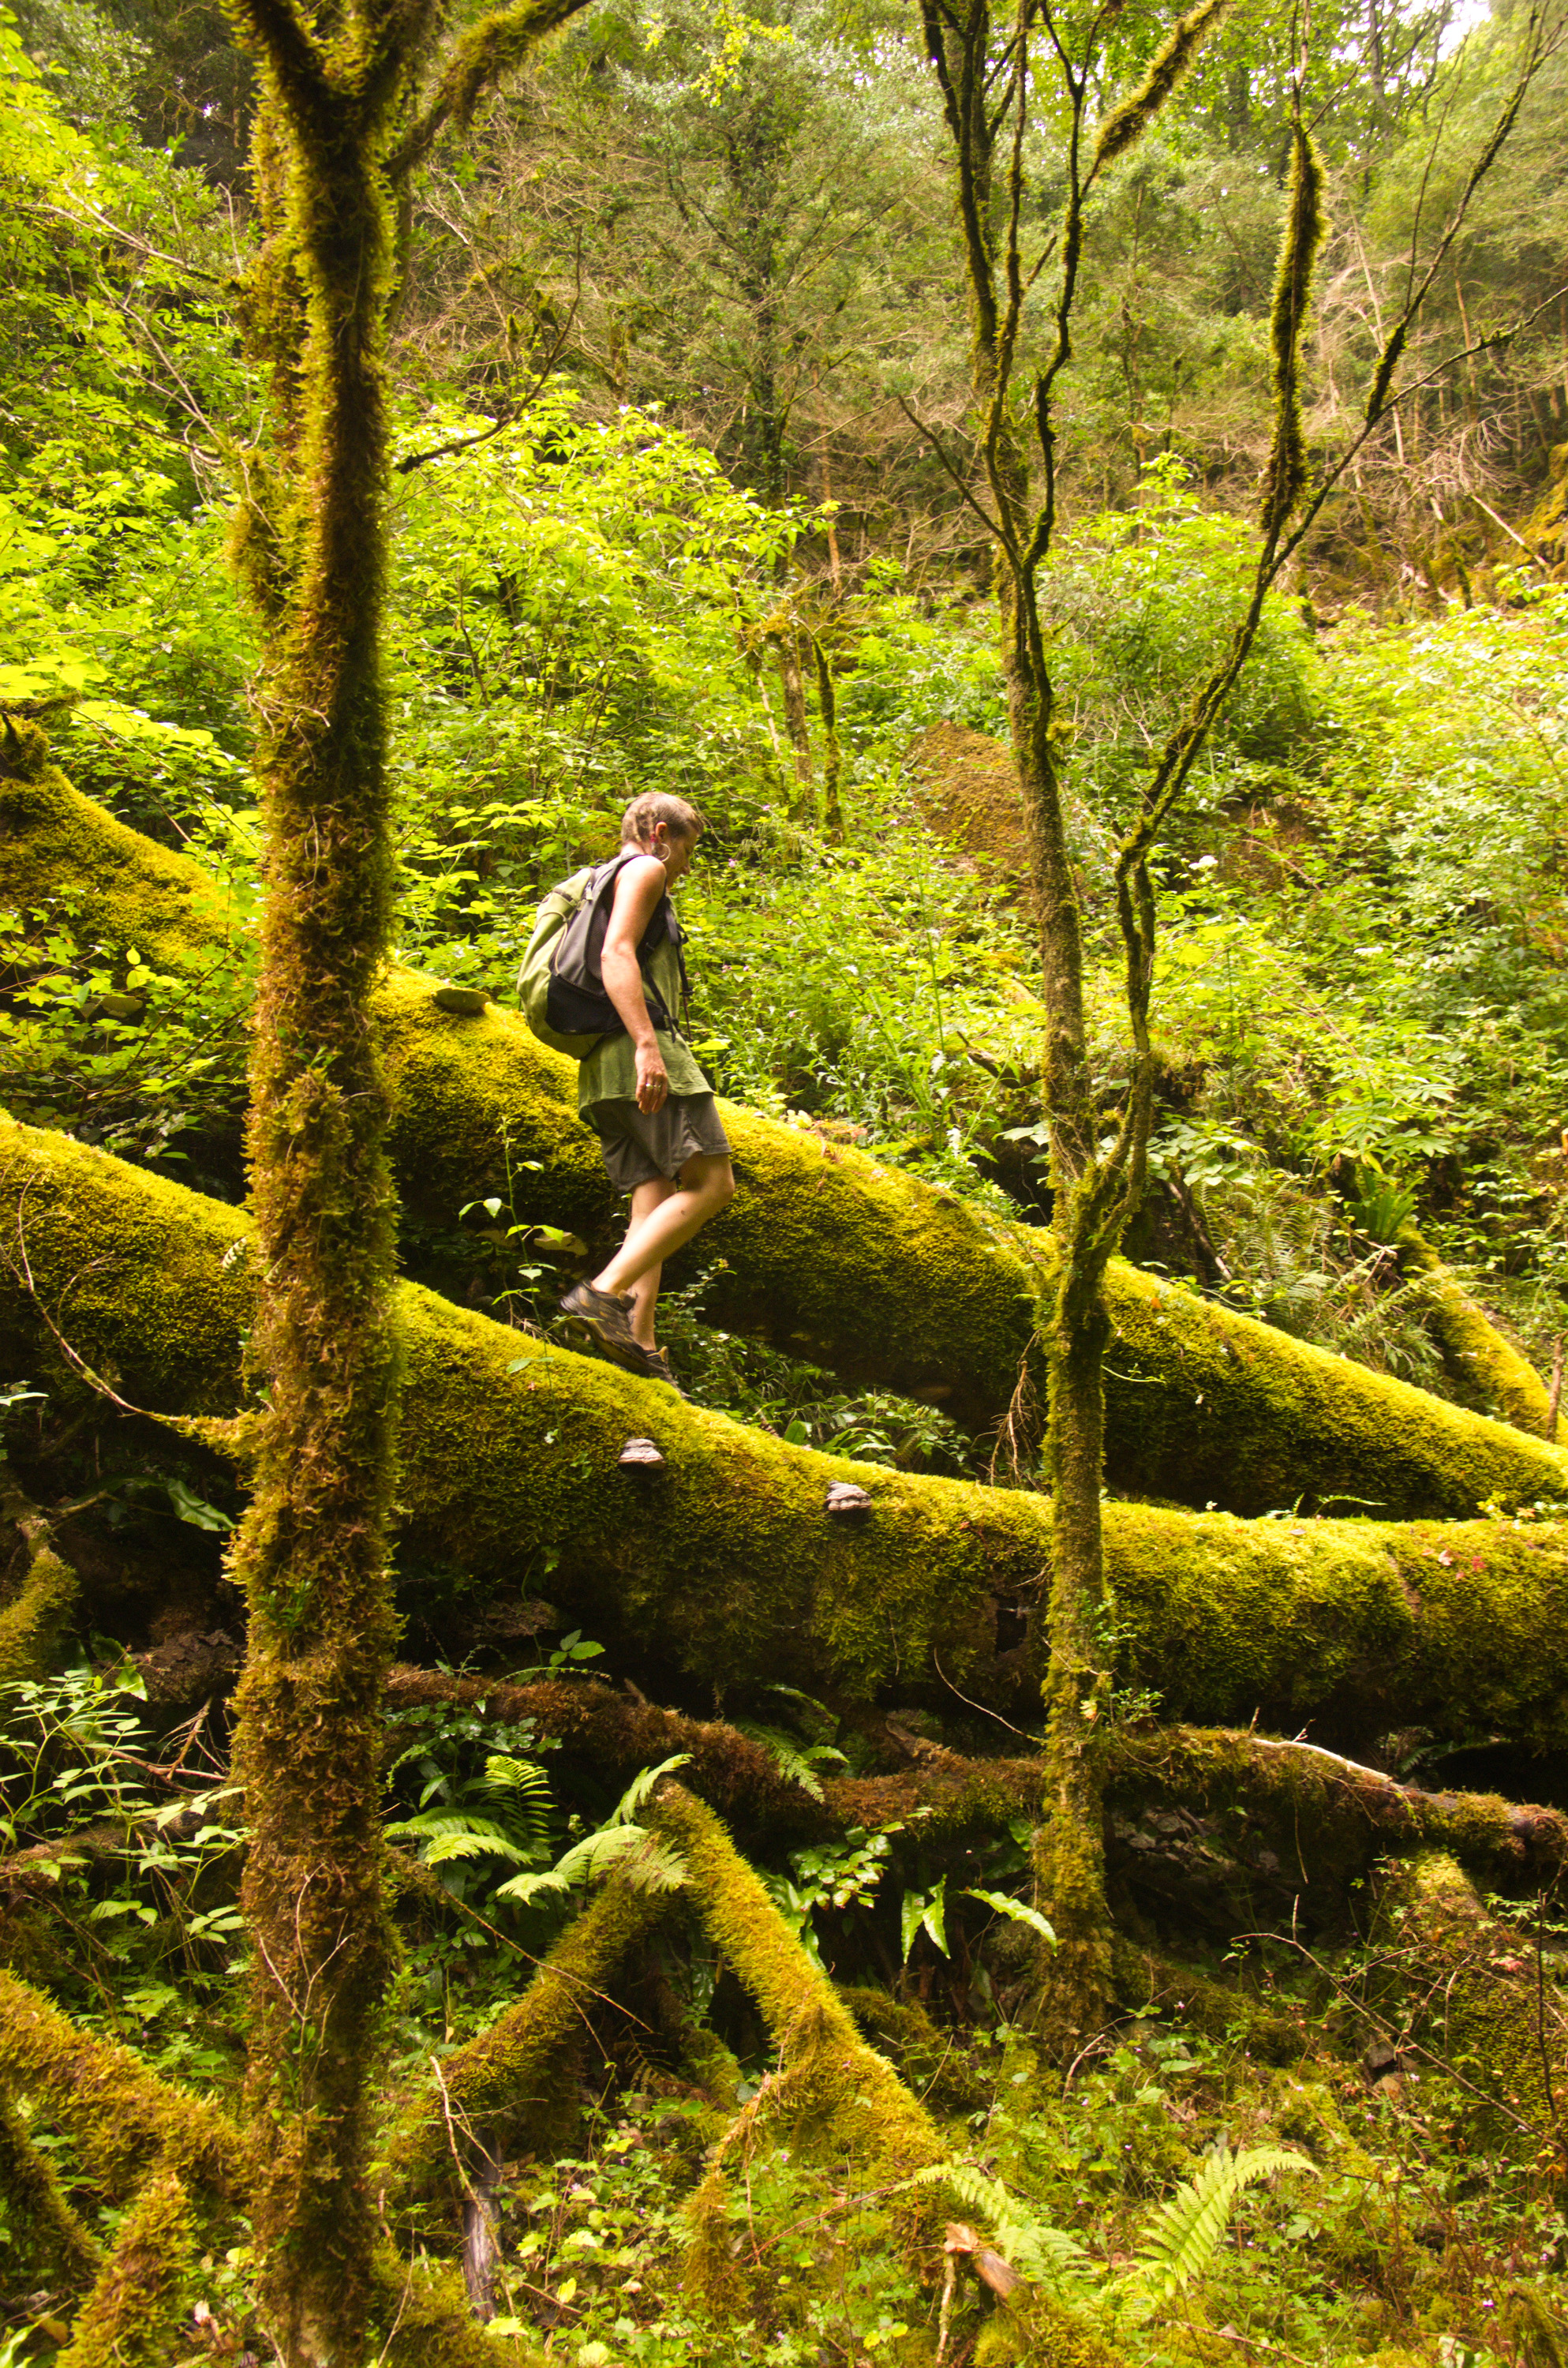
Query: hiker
{"points": [[643, 1091]]}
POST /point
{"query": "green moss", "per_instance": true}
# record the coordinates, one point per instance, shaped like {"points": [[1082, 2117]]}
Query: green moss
{"points": [[131, 2319], [829, 2081], [122, 886], [1327, 1819], [924, 2057], [1216, 2008], [1470, 1988], [1041, 2334], [1203, 1404], [31, 1626], [144, 1278], [422, 2312], [1487, 1370], [1200, 1403], [726, 1566], [121, 2115], [45, 2233], [837, 2081]]}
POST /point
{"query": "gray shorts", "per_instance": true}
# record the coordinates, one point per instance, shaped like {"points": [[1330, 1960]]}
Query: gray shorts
{"points": [[639, 1145]]}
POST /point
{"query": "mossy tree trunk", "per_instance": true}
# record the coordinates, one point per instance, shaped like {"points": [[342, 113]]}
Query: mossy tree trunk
{"points": [[310, 1552], [1202, 1404], [338, 91]]}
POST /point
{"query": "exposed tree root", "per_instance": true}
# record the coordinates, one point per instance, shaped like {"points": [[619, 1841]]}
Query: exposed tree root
{"points": [[1202, 1404], [129, 2320], [121, 2115], [512, 2090], [46, 2231], [726, 1568]]}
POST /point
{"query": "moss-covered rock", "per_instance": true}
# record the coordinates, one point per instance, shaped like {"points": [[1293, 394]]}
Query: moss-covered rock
{"points": [[722, 1570], [838, 1256], [1470, 1997]]}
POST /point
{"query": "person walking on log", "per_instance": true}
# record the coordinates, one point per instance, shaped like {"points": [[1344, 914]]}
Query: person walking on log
{"points": [[643, 1093]]}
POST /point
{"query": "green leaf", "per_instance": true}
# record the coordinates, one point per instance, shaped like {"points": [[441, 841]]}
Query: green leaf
{"points": [[1016, 1909], [196, 1509]]}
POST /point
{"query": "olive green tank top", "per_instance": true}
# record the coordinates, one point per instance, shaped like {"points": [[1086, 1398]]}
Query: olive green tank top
{"points": [[609, 1073]]}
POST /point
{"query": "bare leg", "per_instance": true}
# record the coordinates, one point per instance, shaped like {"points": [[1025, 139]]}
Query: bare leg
{"points": [[706, 1184], [645, 1290]]}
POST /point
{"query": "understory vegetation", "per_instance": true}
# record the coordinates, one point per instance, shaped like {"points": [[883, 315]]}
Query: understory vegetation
{"points": [[711, 2032]]}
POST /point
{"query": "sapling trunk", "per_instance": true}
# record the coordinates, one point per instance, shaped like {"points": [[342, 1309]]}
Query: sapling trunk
{"points": [[1097, 1185]]}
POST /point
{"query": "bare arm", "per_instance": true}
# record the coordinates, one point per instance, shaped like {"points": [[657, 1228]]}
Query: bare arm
{"points": [[637, 894]]}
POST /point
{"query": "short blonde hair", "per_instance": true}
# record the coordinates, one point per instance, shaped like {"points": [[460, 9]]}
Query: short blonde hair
{"points": [[654, 807]]}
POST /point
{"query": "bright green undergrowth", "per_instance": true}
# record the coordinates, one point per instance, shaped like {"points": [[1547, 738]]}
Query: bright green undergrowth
{"points": [[1360, 976]]}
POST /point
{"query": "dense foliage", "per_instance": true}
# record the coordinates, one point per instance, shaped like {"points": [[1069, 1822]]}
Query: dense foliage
{"points": [[671, 511]]}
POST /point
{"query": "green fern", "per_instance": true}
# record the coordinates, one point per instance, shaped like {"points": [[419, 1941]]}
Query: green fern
{"points": [[648, 1863], [1049, 2256], [793, 1758], [637, 1792], [528, 1788], [1185, 2232], [445, 1834]]}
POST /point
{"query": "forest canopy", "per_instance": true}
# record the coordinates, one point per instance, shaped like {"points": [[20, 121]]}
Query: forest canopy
{"points": [[1032, 1827]]}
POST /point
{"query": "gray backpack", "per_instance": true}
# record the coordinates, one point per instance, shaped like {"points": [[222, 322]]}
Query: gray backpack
{"points": [[560, 986]]}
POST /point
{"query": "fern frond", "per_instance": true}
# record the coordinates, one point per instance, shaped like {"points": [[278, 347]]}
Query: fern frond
{"points": [[649, 1864], [525, 1888], [1049, 2256], [1185, 2232], [529, 1787], [1016, 1909], [637, 1792], [524, 1777], [453, 1833], [786, 1755]]}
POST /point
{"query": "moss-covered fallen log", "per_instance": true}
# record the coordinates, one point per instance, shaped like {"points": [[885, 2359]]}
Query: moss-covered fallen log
{"points": [[832, 1253], [1313, 1819], [723, 1570], [1327, 1818], [1488, 1371]]}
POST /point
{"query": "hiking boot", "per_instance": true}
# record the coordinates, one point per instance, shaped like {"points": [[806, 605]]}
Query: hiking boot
{"points": [[657, 1365], [604, 1323]]}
